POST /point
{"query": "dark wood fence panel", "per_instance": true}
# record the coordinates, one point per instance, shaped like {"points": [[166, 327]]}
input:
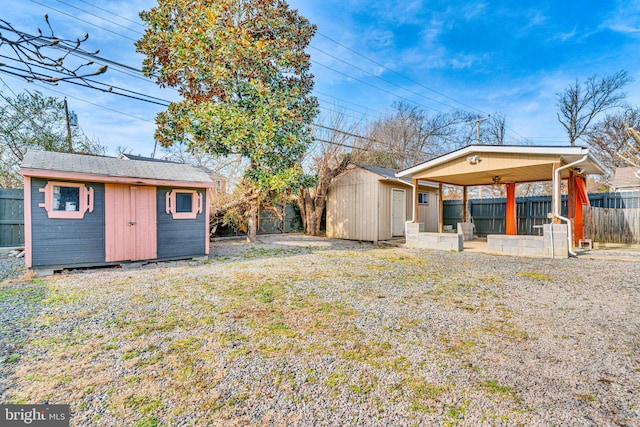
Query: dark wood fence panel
{"points": [[612, 225], [11, 217], [488, 215]]}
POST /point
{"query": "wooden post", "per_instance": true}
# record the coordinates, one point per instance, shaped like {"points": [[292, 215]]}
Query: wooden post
{"points": [[557, 195], [571, 209], [416, 212], [440, 209], [465, 210]]}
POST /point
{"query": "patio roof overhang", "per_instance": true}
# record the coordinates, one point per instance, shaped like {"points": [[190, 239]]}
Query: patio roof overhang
{"points": [[491, 164]]}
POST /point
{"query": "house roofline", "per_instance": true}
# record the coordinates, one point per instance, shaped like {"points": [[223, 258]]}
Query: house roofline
{"points": [[509, 149], [76, 176]]}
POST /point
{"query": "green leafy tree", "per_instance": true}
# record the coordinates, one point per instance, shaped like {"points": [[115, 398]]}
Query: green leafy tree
{"points": [[33, 121], [242, 70]]}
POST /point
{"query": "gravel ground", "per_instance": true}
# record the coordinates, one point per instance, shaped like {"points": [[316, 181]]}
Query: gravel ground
{"points": [[307, 331], [11, 267]]}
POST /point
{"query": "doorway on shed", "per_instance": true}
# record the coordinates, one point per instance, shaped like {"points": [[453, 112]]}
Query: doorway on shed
{"points": [[130, 222], [398, 212]]}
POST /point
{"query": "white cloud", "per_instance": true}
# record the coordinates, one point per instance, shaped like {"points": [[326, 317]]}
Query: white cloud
{"points": [[625, 18], [563, 37]]}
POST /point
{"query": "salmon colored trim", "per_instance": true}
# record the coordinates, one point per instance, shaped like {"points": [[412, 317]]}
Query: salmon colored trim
{"points": [[196, 204], [37, 173], [130, 223], [28, 261], [85, 200], [207, 223]]}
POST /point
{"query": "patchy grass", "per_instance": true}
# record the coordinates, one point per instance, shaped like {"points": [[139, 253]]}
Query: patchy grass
{"points": [[492, 386], [12, 358], [30, 292], [258, 252], [209, 343], [534, 275]]}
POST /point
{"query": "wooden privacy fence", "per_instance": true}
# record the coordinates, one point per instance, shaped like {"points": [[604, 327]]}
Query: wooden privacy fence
{"points": [[488, 215], [11, 217], [611, 225]]}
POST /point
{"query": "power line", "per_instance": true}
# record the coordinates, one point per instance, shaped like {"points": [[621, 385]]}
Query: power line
{"points": [[372, 85], [97, 105], [385, 80], [97, 16], [398, 74], [29, 74], [165, 103], [111, 13], [340, 145], [84, 78], [82, 20], [354, 66], [333, 56]]}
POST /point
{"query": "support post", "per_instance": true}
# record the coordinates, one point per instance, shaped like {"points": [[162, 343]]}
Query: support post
{"points": [[571, 208], [465, 208], [416, 212], [557, 194], [440, 209]]}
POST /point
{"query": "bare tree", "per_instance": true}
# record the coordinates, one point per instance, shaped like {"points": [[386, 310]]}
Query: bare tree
{"points": [[409, 135], [612, 139], [37, 53], [632, 155], [230, 167], [329, 157], [496, 129], [581, 103], [33, 121]]}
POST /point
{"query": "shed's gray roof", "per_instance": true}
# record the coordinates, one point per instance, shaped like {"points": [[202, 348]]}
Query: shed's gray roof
{"points": [[391, 174], [112, 167], [627, 177], [384, 172], [146, 159]]}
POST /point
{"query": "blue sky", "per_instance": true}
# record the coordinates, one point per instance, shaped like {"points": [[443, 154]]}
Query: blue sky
{"points": [[479, 56]]}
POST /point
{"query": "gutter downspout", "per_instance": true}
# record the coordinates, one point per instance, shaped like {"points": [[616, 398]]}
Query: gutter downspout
{"points": [[556, 202], [413, 204]]}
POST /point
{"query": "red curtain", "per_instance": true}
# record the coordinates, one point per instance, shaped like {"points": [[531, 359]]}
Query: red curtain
{"points": [[580, 198], [511, 220]]}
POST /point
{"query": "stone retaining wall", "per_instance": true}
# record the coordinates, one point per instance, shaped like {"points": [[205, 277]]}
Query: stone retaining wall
{"points": [[441, 241], [532, 245]]}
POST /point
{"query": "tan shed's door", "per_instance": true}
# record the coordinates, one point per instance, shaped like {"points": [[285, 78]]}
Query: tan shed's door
{"points": [[130, 222], [398, 212]]}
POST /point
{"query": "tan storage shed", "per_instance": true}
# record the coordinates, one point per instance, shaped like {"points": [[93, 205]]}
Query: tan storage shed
{"points": [[370, 204]]}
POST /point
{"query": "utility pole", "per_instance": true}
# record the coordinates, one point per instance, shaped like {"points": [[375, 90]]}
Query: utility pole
{"points": [[72, 120], [477, 122]]}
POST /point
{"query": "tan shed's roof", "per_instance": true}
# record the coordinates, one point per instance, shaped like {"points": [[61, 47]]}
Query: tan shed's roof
{"points": [[391, 174], [489, 164], [39, 163], [626, 178]]}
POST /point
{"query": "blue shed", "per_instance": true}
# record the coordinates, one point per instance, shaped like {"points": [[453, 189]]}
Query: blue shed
{"points": [[95, 210]]}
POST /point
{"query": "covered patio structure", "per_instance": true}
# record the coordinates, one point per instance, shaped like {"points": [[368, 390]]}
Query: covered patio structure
{"points": [[478, 165]]}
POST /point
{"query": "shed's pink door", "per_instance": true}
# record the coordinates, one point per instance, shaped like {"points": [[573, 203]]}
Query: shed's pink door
{"points": [[130, 222]]}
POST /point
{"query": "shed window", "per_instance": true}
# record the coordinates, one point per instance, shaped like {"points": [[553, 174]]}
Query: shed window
{"points": [[423, 198], [66, 200], [183, 204]]}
